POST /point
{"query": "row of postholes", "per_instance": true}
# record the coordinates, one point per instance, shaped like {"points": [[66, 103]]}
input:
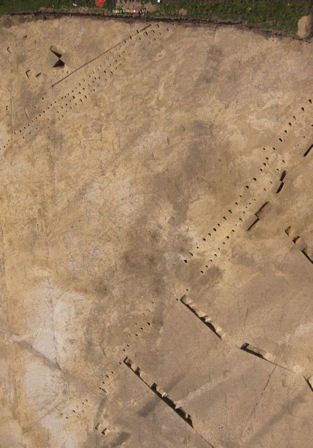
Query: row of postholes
{"points": [[54, 107], [215, 327], [100, 72], [232, 218], [237, 214]]}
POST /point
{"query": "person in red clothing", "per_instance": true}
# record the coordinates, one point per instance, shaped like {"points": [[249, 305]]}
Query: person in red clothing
{"points": [[100, 3]]}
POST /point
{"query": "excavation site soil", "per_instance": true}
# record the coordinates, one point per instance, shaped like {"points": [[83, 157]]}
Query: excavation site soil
{"points": [[156, 250]]}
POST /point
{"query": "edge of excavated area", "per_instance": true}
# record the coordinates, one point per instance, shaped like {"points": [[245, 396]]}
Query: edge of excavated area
{"points": [[22, 16]]}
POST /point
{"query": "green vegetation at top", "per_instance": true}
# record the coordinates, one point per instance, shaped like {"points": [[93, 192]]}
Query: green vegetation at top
{"points": [[10, 6], [274, 14], [280, 15]]}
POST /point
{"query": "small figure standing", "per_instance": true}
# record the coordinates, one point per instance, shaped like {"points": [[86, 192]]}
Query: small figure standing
{"points": [[100, 3]]}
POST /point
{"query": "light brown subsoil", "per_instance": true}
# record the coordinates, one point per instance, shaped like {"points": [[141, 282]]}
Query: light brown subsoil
{"points": [[156, 204]]}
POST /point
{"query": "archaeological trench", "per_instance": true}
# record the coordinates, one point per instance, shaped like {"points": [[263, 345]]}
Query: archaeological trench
{"points": [[156, 236]]}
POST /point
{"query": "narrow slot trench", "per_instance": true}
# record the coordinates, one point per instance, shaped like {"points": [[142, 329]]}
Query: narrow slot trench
{"points": [[309, 382], [253, 224], [280, 187], [56, 52], [160, 393], [288, 230], [258, 213], [59, 64], [183, 414], [252, 350], [307, 255], [201, 315], [246, 347], [283, 175], [282, 178], [307, 152]]}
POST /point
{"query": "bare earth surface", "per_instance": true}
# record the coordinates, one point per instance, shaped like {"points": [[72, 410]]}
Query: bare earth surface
{"points": [[156, 237]]}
